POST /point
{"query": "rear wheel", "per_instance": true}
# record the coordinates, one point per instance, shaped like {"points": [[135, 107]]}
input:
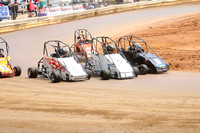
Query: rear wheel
{"points": [[17, 70], [136, 71], [115, 75], [32, 72], [143, 69], [55, 77], [105, 74]]}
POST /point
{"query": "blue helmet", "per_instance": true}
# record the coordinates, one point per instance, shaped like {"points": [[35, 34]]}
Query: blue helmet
{"points": [[110, 49]]}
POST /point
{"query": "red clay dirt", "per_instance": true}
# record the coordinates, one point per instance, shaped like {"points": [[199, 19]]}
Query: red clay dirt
{"points": [[178, 42]]}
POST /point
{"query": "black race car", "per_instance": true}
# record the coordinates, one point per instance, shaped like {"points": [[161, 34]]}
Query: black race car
{"points": [[140, 54]]}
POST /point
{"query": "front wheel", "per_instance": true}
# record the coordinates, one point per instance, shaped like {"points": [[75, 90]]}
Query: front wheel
{"points": [[55, 77], [89, 74], [32, 72], [143, 69], [136, 71], [105, 74], [17, 70]]}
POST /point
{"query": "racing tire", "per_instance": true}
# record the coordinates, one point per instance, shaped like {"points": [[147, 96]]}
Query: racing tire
{"points": [[105, 74], [32, 72], [55, 77], [89, 74], [116, 75], [17, 70], [136, 71], [143, 69]]}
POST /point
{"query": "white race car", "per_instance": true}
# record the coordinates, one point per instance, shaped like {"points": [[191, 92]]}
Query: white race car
{"points": [[108, 61], [61, 64]]}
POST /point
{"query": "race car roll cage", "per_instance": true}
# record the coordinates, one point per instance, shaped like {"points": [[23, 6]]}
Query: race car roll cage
{"points": [[132, 43], [60, 44], [7, 46], [104, 42], [56, 46], [78, 33]]}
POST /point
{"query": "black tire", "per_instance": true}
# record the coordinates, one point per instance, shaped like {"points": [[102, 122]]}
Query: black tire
{"points": [[17, 70], [105, 74], [55, 77], [116, 75], [143, 69], [32, 72], [89, 74], [136, 71]]}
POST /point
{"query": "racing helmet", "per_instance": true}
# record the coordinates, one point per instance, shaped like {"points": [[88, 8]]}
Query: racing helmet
{"points": [[139, 47], [82, 34], [85, 37], [110, 49], [1, 51], [63, 52]]}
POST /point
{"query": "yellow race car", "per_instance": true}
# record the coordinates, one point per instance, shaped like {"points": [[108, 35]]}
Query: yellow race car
{"points": [[6, 69]]}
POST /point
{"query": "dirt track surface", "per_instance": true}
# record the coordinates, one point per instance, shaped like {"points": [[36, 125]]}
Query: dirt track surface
{"points": [[166, 102], [135, 105], [178, 42]]}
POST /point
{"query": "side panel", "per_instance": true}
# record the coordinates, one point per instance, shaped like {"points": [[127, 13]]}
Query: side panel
{"points": [[51, 64]]}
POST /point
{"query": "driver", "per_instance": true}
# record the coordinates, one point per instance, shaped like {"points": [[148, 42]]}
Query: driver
{"points": [[63, 52], [1, 52], [110, 49], [138, 48], [82, 35]]}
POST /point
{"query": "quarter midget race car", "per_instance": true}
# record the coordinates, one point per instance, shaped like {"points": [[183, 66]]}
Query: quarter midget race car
{"points": [[6, 69], [140, 54], [82, 44], [60, 64], [107, 61]]}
